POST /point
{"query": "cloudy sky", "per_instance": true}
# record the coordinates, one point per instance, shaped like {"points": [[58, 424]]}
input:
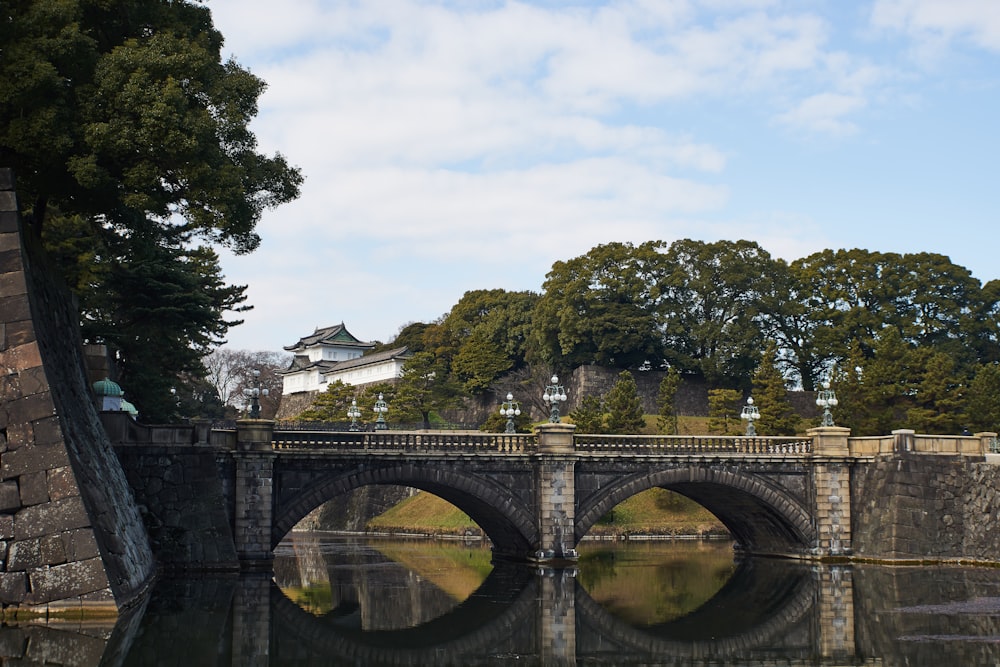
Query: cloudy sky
{"points": [[460, 145]]}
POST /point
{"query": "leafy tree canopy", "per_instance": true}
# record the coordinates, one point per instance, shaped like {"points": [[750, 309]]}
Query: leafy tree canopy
{"points": [[130, 141], [124, 112]]}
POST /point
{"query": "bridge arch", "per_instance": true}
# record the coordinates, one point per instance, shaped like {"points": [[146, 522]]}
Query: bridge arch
{"points": [[505, 518], [761, 516]]}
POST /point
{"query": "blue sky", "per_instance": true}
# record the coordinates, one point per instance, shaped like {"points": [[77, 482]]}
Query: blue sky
{"points": [[452, 146]]}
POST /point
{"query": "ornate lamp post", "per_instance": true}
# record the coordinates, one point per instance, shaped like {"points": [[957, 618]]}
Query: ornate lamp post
{"points": [[254, 393], [354, 413], [380, 409], [510, 409], [826, 398], [751, 414], [553, 396]]}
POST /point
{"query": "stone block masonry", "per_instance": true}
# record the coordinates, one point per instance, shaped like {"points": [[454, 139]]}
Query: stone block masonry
{"points": [[71, 536], [912, 506]]}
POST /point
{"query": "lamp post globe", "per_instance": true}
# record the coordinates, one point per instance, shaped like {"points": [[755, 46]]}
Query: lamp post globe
{"points": [[254, 393], [751, 414], [510, 409], [554, 394], [381, 408], [354, 413], [826, 398]]}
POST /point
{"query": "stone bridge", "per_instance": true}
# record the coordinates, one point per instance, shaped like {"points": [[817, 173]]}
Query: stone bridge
{"points": [[535, 496]]}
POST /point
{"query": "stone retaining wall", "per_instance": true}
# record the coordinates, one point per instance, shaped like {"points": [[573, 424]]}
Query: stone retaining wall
{"points": [[181, 497], [70, 534], [926, 506]]}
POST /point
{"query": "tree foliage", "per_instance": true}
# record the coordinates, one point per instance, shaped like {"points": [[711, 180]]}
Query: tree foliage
{"points": [[129, 136], [982, 410], [589, 415], [901, 335], [709, 304], [666, 420], [332, 404], [777, 417], [124, 112], [600, 308], [423, 387], [624, 406], [158, 306], [723, 411]]}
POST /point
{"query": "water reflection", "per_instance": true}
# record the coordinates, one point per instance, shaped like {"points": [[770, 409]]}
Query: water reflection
{"points": [[407, 603], [653, 582]]}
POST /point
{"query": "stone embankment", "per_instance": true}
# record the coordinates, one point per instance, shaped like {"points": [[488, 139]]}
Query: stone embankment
{"points": [[71, 537], [921, 507]]}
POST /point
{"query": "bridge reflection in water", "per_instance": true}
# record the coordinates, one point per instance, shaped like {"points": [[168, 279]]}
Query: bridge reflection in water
{"points": [[769, 612]]}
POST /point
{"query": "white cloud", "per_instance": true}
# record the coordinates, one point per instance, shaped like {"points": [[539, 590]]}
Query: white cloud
{"points": [[931, 22], [824, 113], [453, 146]]}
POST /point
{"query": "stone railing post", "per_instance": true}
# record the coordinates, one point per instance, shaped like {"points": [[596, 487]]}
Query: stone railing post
{"points": [[556, 493], [830, 440], [254, 508], [903, 440], [831, 476], [987, 442]]}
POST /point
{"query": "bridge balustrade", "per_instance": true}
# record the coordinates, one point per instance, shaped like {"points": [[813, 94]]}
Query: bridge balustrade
{"points": [[390, 442], [673, 444]]}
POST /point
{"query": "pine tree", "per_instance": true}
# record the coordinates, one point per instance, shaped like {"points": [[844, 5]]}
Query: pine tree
{"points": [[589, 415], [723, 411], [624, 406], [330, 405], [777, 417], [666, 422], [940, 395], [982, 407]]}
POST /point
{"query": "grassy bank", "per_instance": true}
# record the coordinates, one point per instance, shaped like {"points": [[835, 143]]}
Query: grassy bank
{"points": [[653, 512]]}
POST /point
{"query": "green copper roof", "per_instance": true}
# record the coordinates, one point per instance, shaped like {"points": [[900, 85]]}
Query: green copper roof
{"points": [[107, 387]]}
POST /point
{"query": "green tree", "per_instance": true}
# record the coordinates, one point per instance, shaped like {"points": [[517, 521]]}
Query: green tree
{"points": [[330, 405], [624, 406], [423, 387], [666, 397], [982, 408], [130, 141], [708, 304], [777, 417], [600, 308], [489, 331], [788, 318], [939, 400], [589, 415], [159, 309], [123, 112], [723, 411]]}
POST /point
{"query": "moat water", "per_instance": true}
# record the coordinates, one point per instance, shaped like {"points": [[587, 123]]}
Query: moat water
{"points": [[349, 601]]}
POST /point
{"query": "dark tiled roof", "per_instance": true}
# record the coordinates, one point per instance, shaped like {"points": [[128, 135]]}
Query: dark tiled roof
{"points": [[368, 359], [337, 335], [301, 362]]}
